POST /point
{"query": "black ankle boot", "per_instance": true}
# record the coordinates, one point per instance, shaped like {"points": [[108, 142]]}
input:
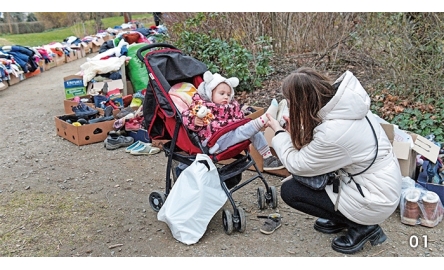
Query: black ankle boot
{"points": [[327, 226], [357, 237]]}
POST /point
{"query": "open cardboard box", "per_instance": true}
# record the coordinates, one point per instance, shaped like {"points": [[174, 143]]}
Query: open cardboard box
{"points": [[94, 87], [71, 57], [60, 60], [32, 74], [69, 103], [96, 44], [85, 134], [406, 145], [3, 85], [16, 79]]}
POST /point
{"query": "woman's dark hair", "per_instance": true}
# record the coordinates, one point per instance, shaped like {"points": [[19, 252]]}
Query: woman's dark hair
{"points": [[307, 91]]}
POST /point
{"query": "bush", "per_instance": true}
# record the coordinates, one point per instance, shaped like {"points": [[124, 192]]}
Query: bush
{"points": [[227, 57]]}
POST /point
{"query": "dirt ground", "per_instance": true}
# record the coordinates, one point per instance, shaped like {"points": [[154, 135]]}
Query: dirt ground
{"points": [[62, 200]]}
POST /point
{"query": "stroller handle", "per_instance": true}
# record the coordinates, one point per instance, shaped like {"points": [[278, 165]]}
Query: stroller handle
{"points": [[150, 46]]}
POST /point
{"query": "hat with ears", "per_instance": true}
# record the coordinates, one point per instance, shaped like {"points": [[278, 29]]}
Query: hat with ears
{"points": [[210, 82]]}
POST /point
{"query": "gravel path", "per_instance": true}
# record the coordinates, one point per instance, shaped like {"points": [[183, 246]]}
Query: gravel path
{"points": [[59, 199]]}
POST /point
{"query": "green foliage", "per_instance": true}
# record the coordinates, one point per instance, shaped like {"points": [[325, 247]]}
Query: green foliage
{"points": [[227, 57], [419, 120]]}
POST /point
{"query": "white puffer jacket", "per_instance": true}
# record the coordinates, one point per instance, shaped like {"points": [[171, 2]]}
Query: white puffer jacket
{"points": [[345, 140]]}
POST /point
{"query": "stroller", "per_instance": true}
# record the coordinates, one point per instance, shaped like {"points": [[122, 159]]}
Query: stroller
{"points": [[167, 66]]}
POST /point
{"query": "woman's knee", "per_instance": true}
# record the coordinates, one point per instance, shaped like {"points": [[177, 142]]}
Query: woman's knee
{"points": [[286, 193]]}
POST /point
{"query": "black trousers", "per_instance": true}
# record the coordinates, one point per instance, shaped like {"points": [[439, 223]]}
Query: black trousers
{"points": [[312, 202]]}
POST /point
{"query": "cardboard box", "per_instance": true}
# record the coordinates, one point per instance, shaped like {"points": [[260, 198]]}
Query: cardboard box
{"points": [[73, 85], [60, 60], [82, 49], [129, 88], [15, 80], [50, 65], [85, 134], [96, 44], [69, 103], [42, 65], [46, 66], [96, 87], [32, 74], [405, 152], [3, 85], [71, 57]]}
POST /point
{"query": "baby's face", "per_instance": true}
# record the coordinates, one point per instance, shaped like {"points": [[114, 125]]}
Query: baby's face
{"points": [[221, 94]]}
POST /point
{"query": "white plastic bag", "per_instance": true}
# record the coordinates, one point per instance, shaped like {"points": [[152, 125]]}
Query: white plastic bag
{"points": [[194, 199]]}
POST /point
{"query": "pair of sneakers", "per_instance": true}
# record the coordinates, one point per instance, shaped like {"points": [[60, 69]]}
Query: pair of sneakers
{"points": [[139, 148]]}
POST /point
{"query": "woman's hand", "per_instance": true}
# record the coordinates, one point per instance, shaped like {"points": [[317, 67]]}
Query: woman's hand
{"points": [[287, 123], [273, 123]]}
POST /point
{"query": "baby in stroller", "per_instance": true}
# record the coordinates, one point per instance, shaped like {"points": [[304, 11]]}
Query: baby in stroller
{"points": [[214, 106]]}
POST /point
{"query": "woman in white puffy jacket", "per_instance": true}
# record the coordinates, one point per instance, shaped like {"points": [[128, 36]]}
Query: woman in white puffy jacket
{"points": [[329, 128]]}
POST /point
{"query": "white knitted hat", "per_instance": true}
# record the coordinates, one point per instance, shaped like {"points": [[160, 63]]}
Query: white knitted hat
{"points": [[210, 82]]}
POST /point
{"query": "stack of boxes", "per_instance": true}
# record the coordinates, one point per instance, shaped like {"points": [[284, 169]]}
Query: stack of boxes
{"points": [[87, 133]]}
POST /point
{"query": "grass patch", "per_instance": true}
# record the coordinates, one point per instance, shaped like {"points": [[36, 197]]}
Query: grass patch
{"points": [[41, 225], [79, 30]]}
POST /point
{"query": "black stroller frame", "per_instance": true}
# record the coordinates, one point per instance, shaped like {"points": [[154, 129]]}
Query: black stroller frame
{"points": [[160, 114]]}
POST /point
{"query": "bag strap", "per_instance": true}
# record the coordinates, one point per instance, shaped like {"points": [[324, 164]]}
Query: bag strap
{"points": [[351, 175], [377, 148]]}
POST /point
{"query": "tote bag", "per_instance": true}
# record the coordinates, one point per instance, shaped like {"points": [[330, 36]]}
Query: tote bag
{"points": [[194, 199]]}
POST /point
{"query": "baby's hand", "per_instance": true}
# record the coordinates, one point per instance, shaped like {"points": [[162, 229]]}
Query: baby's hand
{"points": [[198, 122]]}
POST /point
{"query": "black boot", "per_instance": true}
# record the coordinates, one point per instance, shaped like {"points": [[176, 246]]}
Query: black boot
{"points": [[327, 226], [357, 237]]}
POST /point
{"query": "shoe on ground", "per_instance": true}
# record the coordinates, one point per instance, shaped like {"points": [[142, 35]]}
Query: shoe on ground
{"points": [[272, 163], [114, 141], [145, 149], [133, 146], [327, 226], [272, 223], [356, 238]]}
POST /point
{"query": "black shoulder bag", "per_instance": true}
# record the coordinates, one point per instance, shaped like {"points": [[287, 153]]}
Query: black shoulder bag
{"points": [[319, 182]]}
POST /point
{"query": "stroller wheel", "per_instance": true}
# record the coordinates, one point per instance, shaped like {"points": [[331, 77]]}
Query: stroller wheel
{"points": [[274, 199], [157, 199], [227, 220], [242, 220], [261, 198]]}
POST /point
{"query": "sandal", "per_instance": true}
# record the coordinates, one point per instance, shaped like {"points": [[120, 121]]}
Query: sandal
{"points": [[146, 149], [272, 223]]}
